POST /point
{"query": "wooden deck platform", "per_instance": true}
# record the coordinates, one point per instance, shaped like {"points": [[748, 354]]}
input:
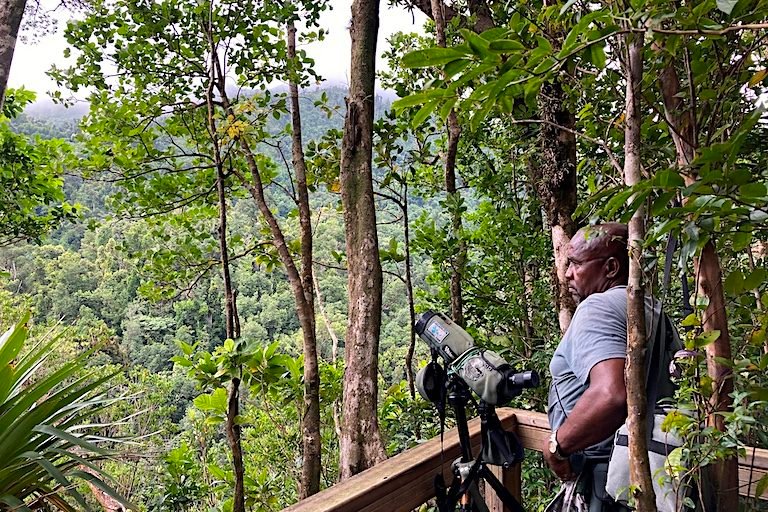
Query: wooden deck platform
{"points": [[404, 482]]}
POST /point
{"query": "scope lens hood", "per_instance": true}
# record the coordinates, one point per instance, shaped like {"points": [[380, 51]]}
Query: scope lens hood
{"points": [[430, 382]]}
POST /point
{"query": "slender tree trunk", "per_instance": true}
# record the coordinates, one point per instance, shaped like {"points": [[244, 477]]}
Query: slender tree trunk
{"points": [[326, 320], [310, 474], [409, 293], [334, 348], [11, 13], [709, 283], [301, 286], [233, 429], [637, 339], [454, 134], [361, 445]]}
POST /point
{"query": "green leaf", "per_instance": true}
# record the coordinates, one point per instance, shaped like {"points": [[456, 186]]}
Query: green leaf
{"points": [[753, 190], [182, 361], [690, 321], [455, 67], [741, 241], [417, 99], [707, 338], [762, 485], [423, 113], [755, 278], [431, 57], [668, 178], [661, 203], [734, 283], [478, 45], [726, 6], [215, 402], [596, 55], [506, 46]]}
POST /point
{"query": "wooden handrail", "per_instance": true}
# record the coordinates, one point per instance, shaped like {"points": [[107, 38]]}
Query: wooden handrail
{"points": [[405, 481]]}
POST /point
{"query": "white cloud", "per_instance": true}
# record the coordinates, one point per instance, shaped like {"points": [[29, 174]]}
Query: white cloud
{"points": [[33, 58]]}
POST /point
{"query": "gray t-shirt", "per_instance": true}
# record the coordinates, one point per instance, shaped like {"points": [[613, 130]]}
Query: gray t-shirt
{"points": [[598, 331]]}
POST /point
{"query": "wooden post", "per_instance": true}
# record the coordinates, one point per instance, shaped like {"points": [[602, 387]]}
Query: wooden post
{"points": [[512, 480]]}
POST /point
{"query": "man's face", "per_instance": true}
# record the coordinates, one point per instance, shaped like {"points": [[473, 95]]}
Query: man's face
{"points": [[586, 272]]}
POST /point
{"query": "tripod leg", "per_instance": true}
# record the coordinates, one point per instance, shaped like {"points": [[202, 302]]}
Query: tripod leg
{"points": [[503, 493], [478, 503]]}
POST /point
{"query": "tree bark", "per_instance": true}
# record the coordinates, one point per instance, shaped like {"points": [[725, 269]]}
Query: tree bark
{"points": [[555, 183], [637, 339], [233, 429], [480, 13], [361, 445], [310, 474], [709, 284], [409, 292], [11, 13], [300, 282], [454, 133]]}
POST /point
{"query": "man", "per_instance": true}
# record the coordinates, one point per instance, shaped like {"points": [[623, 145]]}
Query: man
{"points": [[587, 397]]}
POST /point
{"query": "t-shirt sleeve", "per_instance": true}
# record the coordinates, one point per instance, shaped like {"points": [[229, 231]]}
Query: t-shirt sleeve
{"points": [[598, 332]]}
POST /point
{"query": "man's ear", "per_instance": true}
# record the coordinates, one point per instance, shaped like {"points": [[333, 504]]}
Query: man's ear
{"points": [[612, 264]]}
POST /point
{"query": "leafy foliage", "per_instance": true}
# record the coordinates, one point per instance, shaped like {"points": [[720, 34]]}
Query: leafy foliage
{"points": [[44, 442], [31, 186]]}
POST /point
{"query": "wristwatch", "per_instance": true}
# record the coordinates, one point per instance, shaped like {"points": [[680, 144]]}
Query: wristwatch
{"points": [[554, 447]]}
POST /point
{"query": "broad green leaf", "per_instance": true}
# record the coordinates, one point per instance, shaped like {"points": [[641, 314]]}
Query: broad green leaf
{"points": [[506, 46], [726, 5], [755, 278], [431, 57], [596, 55], [690, 321], [478, 45], [455, 67], [423, 113], [668, 178], [417, 99], [215, 402], [741, 241], [753, 190], [734, 283], [707, 338], [761, 487]]}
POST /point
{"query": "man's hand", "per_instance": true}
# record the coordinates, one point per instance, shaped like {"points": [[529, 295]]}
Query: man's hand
{"points": [[562, 468]]}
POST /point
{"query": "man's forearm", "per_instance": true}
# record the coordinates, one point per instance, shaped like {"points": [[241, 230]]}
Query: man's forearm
{"points": [[596, 416]]}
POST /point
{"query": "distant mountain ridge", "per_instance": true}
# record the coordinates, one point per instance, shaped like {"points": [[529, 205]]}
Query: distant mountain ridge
{"points": [[46, 109]]}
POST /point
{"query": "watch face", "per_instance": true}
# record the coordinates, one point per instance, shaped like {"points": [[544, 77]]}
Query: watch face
{"points": [[552, 444]]}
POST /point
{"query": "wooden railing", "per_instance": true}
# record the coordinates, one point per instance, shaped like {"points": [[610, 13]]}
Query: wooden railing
{"points": [[404, 482]]}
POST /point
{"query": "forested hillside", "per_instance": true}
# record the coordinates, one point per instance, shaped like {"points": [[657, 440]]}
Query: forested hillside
{"points": [[139, 289], [210, 276]]}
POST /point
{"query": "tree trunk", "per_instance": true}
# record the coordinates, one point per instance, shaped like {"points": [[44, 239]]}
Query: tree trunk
{"points": [[555, 183], [11, 13], [301, 285], [361, 445], [454, 133], [409, 293], [637, 339], [709, 283], [310, 474], [233, 429]]}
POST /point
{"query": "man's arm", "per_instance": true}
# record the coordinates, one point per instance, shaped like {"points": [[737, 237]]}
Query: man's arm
{"points": [[596, 416]]}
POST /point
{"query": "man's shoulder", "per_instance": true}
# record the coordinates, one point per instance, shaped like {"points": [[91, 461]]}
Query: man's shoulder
{"points": [[616, 296]]}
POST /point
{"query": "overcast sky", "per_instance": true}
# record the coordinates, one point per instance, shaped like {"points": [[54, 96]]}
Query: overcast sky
{"points": [[33, 58]]}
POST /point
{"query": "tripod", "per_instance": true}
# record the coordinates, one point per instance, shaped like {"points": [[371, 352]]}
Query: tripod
{"points": [[498, 448]]}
